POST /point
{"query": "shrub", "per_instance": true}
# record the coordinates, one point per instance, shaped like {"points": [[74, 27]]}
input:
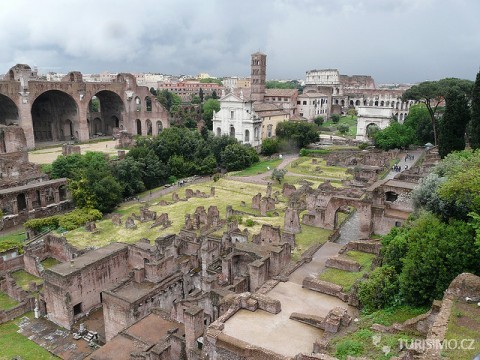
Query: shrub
{"points": [[363, 145], [335, 118], [319, 120], [343, 128], [269, 146], [70, 221], [380, 289], [249, 222]]}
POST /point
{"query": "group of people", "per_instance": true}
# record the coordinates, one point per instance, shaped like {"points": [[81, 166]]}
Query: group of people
{"points": [[398, 168], [409, 157]]}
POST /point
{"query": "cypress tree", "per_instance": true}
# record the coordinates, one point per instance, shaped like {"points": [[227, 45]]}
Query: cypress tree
{"points": [[452, 128], [475, 120]]}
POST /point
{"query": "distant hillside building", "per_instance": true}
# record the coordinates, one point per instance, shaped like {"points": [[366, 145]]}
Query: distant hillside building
{"points": [[188, 89]]}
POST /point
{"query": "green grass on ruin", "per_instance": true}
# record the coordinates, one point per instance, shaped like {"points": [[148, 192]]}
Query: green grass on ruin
{"points": [[6, 302], [358, 339], [23, 279], [15, 345], [347, 278], [259, 168], [463, 324]]}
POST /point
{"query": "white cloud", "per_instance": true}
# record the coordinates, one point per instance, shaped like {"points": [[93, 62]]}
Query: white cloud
{"points": [[392, 40]]}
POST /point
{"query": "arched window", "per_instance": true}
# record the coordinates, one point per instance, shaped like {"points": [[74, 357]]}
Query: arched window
{"points": [[232, 131], [269, 130], [219, 131], [138, 103], [139, 127], [357, 103], [149, 127], [159, 127], [247, 136], [148, 104]]}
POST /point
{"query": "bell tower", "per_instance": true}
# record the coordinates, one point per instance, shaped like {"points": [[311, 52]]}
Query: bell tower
{"points": [[258, 76]]}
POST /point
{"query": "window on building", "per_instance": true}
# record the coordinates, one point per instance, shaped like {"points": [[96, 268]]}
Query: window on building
{"points": [[232, 114], [304, 102], [269, 130]]}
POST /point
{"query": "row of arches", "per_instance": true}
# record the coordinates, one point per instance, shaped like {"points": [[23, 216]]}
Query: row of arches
{"points": [[149, 127], [55, 115], [398, 104], [247, 135]]}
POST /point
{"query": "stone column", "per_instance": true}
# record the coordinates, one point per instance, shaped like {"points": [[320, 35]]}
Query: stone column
{"points": [[14, 206], [28, 200], [56, 195], [43, 198]]}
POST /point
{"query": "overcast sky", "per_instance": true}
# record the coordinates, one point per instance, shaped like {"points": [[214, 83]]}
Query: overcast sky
{"points": [[394, 41]]}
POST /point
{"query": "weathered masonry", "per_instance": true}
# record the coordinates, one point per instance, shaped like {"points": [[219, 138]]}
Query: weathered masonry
{"points": [[50, 111]]}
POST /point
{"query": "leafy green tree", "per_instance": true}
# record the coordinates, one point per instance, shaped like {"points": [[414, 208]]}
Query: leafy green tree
{"points": [[275, 84], [208, 108], [380, 290], [269, 146], [475, 117], [319, 120], [279, 175], [419, 120], [211, 81], [352, 112], [463, 190], [67, 166], [335, 118], [128, 173], [452, 128], [432, 94], [238, 157], [201, 95], [299, 134], [437, 253], [395, 135], [153, 91], [219, 143], [343, 128], [214, 95], [169, 100]]}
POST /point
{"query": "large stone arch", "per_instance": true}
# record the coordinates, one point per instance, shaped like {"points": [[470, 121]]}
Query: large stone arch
{"points": [[55, 117], [8, 111], [364, 210], [110, 111]]}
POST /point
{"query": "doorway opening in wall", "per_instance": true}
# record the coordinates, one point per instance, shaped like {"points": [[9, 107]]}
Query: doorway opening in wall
{"points": [[77, 309], [101, 298]]}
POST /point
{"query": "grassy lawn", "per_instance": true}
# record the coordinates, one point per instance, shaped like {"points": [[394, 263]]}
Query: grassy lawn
{"points": [[305, 166], [464, 323], [350, 121], [347, 278], [23, 279], [6, 302], [49, 262], [13, 344], [11, 240], [259, 168], [359, 341], [309, 236]]}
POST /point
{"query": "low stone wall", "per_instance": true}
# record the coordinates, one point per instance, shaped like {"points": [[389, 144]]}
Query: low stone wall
{"points": [[324, 287], [20, 309], [341, 263], [366, 246], [12, 264]]}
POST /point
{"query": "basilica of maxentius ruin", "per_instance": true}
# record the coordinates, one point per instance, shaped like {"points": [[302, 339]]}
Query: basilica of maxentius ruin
{"points": [[214, 290]]}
